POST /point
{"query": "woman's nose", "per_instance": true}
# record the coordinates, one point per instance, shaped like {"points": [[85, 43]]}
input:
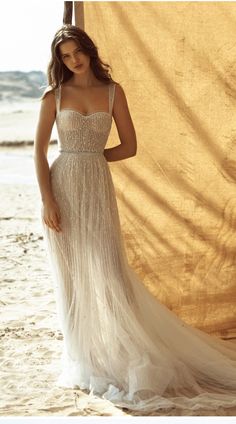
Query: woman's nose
{"points": [[74, 59]]}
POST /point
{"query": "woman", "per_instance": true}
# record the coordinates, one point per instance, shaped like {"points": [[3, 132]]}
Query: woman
{"points": [[119, 341]]}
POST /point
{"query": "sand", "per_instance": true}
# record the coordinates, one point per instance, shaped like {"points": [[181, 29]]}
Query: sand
{"points": [[31, 340]]}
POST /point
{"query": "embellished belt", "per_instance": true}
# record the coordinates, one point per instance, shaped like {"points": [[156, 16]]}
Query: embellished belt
{"points": [[79, 151]]}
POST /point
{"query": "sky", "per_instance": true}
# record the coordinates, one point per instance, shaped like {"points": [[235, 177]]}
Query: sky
{"points": [[27, 28]]}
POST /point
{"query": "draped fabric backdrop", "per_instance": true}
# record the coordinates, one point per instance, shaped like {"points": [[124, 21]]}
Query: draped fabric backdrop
{"points": [[177, 197]]}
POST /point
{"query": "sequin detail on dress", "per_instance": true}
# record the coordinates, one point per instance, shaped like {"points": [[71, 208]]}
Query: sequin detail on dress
{"points": [[119, 341]]}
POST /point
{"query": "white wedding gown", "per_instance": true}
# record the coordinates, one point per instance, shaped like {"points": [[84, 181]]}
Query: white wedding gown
{"points": [[119, 341]]}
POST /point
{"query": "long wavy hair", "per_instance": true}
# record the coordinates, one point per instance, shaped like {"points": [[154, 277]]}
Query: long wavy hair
{"points": [[57, 72]]}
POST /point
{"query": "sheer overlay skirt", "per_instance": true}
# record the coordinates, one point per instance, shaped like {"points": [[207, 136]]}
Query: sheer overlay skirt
{"points": [[119, 341]]}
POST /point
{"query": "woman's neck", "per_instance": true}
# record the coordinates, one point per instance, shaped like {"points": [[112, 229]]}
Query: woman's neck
{"points": [[85, 80]]}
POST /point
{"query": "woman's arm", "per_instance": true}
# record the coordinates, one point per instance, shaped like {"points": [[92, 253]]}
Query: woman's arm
{"points": [[46, 120], [125, 128]]}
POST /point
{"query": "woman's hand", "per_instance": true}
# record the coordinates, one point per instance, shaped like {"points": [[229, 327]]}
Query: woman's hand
{"points": [[51, 215]]}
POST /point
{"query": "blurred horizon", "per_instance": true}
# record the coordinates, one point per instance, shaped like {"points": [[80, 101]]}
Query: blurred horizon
{"points": [[20, 93], [22, 70]]}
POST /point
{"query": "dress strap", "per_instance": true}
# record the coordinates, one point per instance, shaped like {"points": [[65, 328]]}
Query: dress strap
{"points": [[112, 87]]}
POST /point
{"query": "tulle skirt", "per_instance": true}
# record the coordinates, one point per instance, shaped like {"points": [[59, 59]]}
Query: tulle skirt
{"points": [[120, 342]]}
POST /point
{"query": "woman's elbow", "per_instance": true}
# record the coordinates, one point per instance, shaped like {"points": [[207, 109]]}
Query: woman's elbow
{"points": [[133, 153], [129, 147], [134, 149]]}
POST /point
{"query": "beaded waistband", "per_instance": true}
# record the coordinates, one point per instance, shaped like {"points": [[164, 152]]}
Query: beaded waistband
{"points": [[79, 151]]}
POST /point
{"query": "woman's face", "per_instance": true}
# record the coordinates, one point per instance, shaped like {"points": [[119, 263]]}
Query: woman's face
{"points": [[73, 57]]}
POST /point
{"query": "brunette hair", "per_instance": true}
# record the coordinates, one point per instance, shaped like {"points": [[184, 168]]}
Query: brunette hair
{"points": [[57, 71]]}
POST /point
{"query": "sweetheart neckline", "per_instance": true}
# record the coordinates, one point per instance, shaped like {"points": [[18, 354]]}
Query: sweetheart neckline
{"points": [[80, 113]]}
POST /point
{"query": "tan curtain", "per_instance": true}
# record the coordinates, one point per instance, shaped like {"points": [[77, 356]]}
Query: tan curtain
{"points": [[177, 197]]}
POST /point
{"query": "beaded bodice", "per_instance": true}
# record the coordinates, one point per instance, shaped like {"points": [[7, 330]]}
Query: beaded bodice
{"points": [[83, 133]]}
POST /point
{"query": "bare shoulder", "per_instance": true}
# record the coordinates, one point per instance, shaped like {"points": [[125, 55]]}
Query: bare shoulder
{"points": [[119, 91], [48, 99], [48, 105], [49, 94]]}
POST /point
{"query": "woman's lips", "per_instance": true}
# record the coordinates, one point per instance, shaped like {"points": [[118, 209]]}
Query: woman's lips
{"points": [[78, 66]]}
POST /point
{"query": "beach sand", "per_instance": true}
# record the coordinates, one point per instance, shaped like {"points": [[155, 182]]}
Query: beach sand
{"points": [[31, 341]]}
